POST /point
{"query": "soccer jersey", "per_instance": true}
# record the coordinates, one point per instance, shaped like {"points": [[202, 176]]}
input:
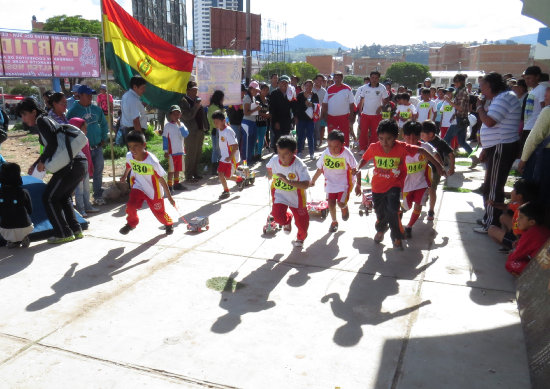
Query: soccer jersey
{"points": [[418, 171], [338, 98], [226, 138], [145, 175], [447, 112], [389, 168], [426, 111], [373, 97], [283, 193], [404, 113], [172, 138], [337, 170]]}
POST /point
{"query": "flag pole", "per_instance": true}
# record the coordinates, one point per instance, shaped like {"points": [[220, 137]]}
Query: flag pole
{"points": [[110, 116]]}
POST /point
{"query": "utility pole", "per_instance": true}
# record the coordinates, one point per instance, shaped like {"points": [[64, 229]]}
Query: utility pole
{"points": [[248, 44]]}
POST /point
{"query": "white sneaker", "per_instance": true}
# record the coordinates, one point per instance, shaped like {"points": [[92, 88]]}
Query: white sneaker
{"points": [[288, 228], [99, 201], [481, 230], [298, 243]]}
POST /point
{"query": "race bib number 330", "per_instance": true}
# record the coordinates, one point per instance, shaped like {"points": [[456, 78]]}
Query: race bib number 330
{"points": [[281, 185], [387, 162], [142, 168], [334, 163]]}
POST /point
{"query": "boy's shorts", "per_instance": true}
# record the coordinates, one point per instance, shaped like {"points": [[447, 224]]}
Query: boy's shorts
{"points": [[509, 239], [225, 168], [418, 196], [175, 163], [341, 197]]}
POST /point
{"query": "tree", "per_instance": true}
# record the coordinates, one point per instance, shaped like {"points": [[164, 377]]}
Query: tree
{"points": [[353, 80], [408, 73], [78, 26], [25, 90], [303, 70]]}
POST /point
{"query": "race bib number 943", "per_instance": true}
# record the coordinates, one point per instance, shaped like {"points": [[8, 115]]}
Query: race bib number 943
{"points": [[334, 163], [387, 162], [281, 185], [416, 167], [142, 168]]}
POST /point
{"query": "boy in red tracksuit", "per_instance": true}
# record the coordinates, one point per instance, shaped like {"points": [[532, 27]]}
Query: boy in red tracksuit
{"points": [[534, 236], [147, 182]]}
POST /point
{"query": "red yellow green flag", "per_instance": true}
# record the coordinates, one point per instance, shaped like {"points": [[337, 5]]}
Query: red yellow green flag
{"points": [[131, 49]]}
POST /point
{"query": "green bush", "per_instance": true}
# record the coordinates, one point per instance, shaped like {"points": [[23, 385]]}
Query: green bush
{"points": [[150, 132], [17, 127], [119, 151]]}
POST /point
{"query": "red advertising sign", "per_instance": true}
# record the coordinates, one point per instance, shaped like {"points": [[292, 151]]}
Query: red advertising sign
{"points": [[43, 56]]}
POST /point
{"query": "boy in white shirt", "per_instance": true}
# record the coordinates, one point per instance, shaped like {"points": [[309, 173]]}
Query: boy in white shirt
{"points": [[172, 144], [405, 111], [290, 179], [338, 165], [426, 107], [448, 117], [147, 182], [419, 174], [229, 153]]}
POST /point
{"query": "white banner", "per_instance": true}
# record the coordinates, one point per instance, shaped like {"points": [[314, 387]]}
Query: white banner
{"points": [[220, 73]]}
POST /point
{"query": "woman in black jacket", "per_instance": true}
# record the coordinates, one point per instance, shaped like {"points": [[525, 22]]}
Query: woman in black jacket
{"points": [[304, 109], [57, 195]]}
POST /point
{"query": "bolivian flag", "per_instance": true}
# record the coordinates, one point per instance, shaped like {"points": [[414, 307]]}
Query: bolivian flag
{"points": [[131, 49]]}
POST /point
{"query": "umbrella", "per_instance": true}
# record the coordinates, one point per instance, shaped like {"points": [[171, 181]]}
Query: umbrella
{"points": [[537, 9]]}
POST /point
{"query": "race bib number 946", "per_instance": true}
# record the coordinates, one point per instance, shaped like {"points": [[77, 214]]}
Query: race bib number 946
{"points": [[405, 115], [387, 162], [416, 167], [281, 185], [334, 163], [142, 168]]}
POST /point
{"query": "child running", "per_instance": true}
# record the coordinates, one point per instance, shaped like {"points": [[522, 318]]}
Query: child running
{"points": [[448, 116], [426, 107], [15, 207], [229, 153], [419, 176], [288, 188], [445, 152], [338, 165], [388, 178], [147, 183], [172, 143], [533, 236], [404, 111]]}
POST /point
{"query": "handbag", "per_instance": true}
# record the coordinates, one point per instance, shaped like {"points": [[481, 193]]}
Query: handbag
{"points": [[70, 141]]}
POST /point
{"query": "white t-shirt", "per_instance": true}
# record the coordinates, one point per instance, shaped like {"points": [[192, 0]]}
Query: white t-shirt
{"points": [[426, 111], [373, 98], [337, 170], [339, 98], [358, 93], [145, 175], [418, 171], [532, 106], [447, 112], [174, 138], [286, 194], [414, 101], [226, 138], [404, 113], [132, 107]]}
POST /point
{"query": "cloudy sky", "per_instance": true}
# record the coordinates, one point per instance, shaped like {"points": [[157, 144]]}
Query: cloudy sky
{"points": [[351, 22]]}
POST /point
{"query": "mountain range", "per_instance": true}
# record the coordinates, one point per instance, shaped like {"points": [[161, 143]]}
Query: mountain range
{"points": [[303, 41]]}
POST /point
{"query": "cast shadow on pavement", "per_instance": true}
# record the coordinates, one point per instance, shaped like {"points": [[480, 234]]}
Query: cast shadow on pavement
{"points": [[12, 261], [103, 271], [376, 280], [254, 296]]}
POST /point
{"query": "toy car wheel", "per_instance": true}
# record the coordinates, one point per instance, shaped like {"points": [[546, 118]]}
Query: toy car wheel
{"points": [[252, 180], [265, 230], [189, 228], [324, 213], [361, 212], [207, 227]]}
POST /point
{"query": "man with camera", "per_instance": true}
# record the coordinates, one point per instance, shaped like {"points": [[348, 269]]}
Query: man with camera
{"points": [[194, 118]]}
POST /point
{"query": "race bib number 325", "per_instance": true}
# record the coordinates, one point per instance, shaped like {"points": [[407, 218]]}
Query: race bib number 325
{"points": [[281, 185], [334, 163], [142, 168], [387, 162]]}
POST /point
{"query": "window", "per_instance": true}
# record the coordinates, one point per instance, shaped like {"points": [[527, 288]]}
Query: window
{"points": [[168, 16]]}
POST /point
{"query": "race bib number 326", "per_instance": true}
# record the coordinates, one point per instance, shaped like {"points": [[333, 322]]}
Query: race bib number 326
{"points": [[387, 162], [334, 163], [142, 168]]}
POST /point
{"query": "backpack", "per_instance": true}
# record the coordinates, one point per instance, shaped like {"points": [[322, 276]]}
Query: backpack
{"points": [[70, 140]]}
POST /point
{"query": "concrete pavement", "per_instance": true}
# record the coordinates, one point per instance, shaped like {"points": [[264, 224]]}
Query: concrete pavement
{"points": [[114, 311]]}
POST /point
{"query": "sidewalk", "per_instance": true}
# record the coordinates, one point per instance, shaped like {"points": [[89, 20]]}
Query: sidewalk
{"points": [[114, 311]]}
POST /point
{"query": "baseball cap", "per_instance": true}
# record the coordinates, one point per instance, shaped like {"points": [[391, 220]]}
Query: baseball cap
{"points": [[450, 89], [174, 108], [103, 86], [427, 79], [285, 78], [75, 87], [254, 85], [532, 71], [85, 90]]}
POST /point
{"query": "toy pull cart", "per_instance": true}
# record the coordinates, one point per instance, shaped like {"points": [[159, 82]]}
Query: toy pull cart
{"points": [[197, 223], [248, 176], [270, 226], [317, 208], [366, 202]]}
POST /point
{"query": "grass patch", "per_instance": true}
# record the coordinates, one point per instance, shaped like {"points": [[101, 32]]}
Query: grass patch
{"points": [[453, 189], [17, 127], [463, 163], [514, 173], [462, 154], [223, 284]]}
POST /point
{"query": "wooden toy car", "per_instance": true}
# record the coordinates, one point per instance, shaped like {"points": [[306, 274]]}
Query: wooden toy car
{"points": [[248, 176], [197, 223], [366, 203], [318, 208], [270, 226]]}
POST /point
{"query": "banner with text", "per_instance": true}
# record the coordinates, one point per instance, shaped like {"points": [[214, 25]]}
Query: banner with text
{"points": [[220, 73], [44, 56]]}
